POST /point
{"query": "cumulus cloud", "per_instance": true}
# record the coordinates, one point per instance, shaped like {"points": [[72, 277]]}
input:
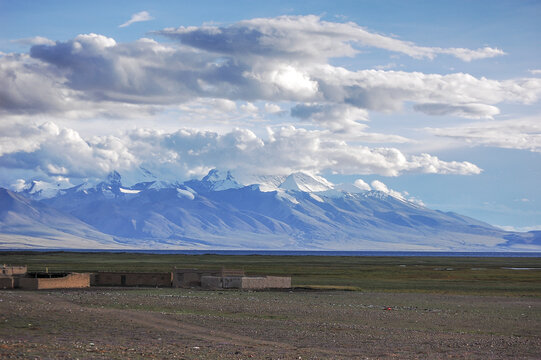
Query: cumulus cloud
{"points": [[523, 134], [361, 184], [138, 17], [54, 151], [271, 108], [57, 151], [236, 75], [29, 86], [271, 60]]}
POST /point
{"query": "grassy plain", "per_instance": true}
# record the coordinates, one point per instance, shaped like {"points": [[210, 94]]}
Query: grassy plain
{"points": [[449, 275]]}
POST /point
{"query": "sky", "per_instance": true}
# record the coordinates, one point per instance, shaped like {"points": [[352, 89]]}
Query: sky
{"points": [[439, 101]]}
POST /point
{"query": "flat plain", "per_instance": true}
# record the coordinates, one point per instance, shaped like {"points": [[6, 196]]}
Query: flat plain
{"points": [[339, 308]]}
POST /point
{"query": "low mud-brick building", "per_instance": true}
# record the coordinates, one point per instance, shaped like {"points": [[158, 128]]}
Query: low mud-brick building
{"points": [[184, 278], [36, 281], [148, 279], [9, 275], [227, 279], [13, 277], [17, 277]]}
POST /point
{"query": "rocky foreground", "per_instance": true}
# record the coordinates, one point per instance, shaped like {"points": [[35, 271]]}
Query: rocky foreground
{"points": [[109, 323]]}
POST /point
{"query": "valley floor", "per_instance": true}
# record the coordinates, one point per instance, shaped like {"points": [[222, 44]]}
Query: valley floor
{"points": [[120, 323]]}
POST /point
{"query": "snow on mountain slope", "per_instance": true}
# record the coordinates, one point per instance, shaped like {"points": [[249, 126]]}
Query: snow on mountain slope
{"points": [[264, 182], [215, 180], [38, 189], [305, 212], [301, 181]]}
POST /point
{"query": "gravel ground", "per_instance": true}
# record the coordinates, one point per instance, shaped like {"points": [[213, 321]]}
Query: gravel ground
{"points": [[116, 323]]}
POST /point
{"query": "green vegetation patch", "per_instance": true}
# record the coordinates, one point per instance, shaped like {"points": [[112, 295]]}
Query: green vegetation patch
{"points": [[460, 275]]}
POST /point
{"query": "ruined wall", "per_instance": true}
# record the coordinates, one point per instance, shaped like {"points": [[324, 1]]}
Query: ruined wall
{"points": [[131, 279], [73, 280], [6, 282]]}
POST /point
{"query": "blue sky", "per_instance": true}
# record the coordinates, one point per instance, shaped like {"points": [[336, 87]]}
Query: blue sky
{"points": [[438, 100]]}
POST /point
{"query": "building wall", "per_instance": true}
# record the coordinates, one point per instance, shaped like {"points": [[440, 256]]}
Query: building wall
{"points": [[232, 282], [6, 282], [267, 282], [132, 279], [184, 278], [211, 282], [73, 280], [278, 282], [253, 282], [246, 282], [13, 270]]}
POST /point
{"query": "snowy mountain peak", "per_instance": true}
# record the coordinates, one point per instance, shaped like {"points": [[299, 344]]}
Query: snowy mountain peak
{"points": [[38, 190], [264, 183], [301, 181], [217, 180]]}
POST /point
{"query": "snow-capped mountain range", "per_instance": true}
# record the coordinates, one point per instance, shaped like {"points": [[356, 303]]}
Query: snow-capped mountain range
{"points": [[300, 211]]}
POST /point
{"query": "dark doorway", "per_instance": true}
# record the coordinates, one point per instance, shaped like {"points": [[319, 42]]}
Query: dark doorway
{"points": [[123, 280]]}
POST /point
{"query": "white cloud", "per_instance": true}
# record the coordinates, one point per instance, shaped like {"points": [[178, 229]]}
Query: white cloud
{"points": [[469, 55], [361, 184], [138, 17], [249, 108], [60, 151], [535, 71], [93, 74], [472, 111], [234, 76], [523, 134], [457, 94], [271, 108], [54, 151], [308, 36], [36, 40]]}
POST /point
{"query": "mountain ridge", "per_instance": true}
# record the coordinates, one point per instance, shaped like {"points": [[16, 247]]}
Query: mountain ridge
{"points": [[307, 213]]}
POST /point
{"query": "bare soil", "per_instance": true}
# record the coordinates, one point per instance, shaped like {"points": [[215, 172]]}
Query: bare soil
{"points": [[120, 323]]}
